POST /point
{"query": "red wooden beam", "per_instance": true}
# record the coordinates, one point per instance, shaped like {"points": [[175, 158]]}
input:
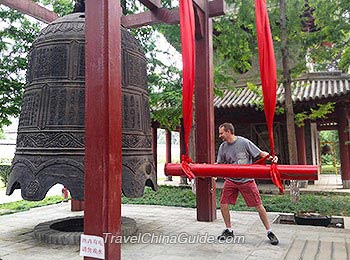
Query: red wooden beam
{"points": [[201, 4], [204, 115], [151, 4], [167, 146], [256, 171], [160, 15], [200, 23], [300, 135], [343, 132], [32, 9], [103, 146], [76, 205], [217, 8], [164, 15]]}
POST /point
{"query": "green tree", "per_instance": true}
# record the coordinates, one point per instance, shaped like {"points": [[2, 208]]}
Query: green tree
{"points": [[17, 34], [2, 134], [330, 46], [330, 138]]}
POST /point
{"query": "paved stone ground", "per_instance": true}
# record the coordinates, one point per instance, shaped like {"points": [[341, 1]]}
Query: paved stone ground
{"points": [[296, 242]]}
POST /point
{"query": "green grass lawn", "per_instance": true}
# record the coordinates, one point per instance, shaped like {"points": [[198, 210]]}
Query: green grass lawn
{"points": [[183, 197], [329, 169], [22, 205], [326, 204]]}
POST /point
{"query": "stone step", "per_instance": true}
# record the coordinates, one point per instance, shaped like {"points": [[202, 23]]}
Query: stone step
{"points": [[317, 249]]}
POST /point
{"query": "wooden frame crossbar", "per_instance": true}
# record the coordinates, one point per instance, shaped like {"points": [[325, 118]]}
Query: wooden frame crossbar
{"points": [[32, 9], [168, 16]]}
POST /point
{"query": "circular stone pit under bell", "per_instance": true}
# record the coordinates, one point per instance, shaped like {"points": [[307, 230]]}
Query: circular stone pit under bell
{"points": [[67, 231]]}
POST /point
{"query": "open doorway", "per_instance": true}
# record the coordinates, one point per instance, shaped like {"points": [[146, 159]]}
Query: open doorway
{"points": [[329, 155]]}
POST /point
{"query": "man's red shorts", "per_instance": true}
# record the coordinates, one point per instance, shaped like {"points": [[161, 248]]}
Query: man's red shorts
{"points": [[249, 191]]}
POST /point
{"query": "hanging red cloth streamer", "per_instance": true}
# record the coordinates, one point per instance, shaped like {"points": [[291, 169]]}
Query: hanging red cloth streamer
{"points": [[268, 77], [269, 84], [187, 32]]}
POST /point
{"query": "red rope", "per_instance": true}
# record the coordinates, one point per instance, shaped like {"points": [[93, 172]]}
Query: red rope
{"points": [[185, 166]]}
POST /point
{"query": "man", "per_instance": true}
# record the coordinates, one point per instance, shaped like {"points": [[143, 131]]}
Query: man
{"points": [[239, 150]]}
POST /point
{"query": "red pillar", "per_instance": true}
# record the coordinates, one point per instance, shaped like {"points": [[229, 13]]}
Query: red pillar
{"points": [[76, 205], [168, 150], [103, 123], [204, 114], [300, 135], [168, 146], [343, 132]]}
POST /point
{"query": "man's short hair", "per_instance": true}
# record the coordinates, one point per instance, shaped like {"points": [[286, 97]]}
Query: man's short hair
{"points": [[228, 127]]}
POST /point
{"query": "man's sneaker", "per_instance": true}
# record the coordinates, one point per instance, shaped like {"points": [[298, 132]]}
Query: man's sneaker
{"points": [[225, 234], [273, 238]]}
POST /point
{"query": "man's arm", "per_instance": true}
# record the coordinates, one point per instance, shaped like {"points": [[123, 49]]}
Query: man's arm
{"points": [[219, 158], [273, 159]]}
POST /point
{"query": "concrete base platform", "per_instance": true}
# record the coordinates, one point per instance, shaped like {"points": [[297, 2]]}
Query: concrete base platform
{"points": [[174, 233]]}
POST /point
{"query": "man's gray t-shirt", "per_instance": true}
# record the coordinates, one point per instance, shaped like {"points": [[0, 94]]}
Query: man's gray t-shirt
{"points": [[241, 151]]}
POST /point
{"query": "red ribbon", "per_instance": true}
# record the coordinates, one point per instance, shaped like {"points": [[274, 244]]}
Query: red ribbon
{"points": [[185, 161], [268, 77], [267, 74], [187, 32]]}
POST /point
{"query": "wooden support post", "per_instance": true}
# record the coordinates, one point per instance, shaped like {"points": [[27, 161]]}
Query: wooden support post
{"points": [[76, 205], [168, 150], [103, 123], [204, 115], [343, 132], [151, 4], [300, 135], [168, 146], [32, 9], [164, 15]]}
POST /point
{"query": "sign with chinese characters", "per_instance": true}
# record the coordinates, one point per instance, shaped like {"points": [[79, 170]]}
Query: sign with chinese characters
{"points": [[92, 246]]}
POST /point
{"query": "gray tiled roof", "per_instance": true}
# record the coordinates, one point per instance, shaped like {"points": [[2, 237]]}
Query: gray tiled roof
{"points": [[311, 86]]}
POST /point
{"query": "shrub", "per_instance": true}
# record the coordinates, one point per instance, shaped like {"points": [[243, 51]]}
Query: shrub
{"points": [[4, 173], [329, 169]]}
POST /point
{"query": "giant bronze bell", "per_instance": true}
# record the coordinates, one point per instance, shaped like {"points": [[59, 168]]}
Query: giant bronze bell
{"points": [[50, 141]]}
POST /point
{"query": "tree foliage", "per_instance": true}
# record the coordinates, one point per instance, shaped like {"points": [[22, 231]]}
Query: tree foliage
{"points": [[17, 33], [331, 138], [326, 47], [234, 42], [330, 46]]}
